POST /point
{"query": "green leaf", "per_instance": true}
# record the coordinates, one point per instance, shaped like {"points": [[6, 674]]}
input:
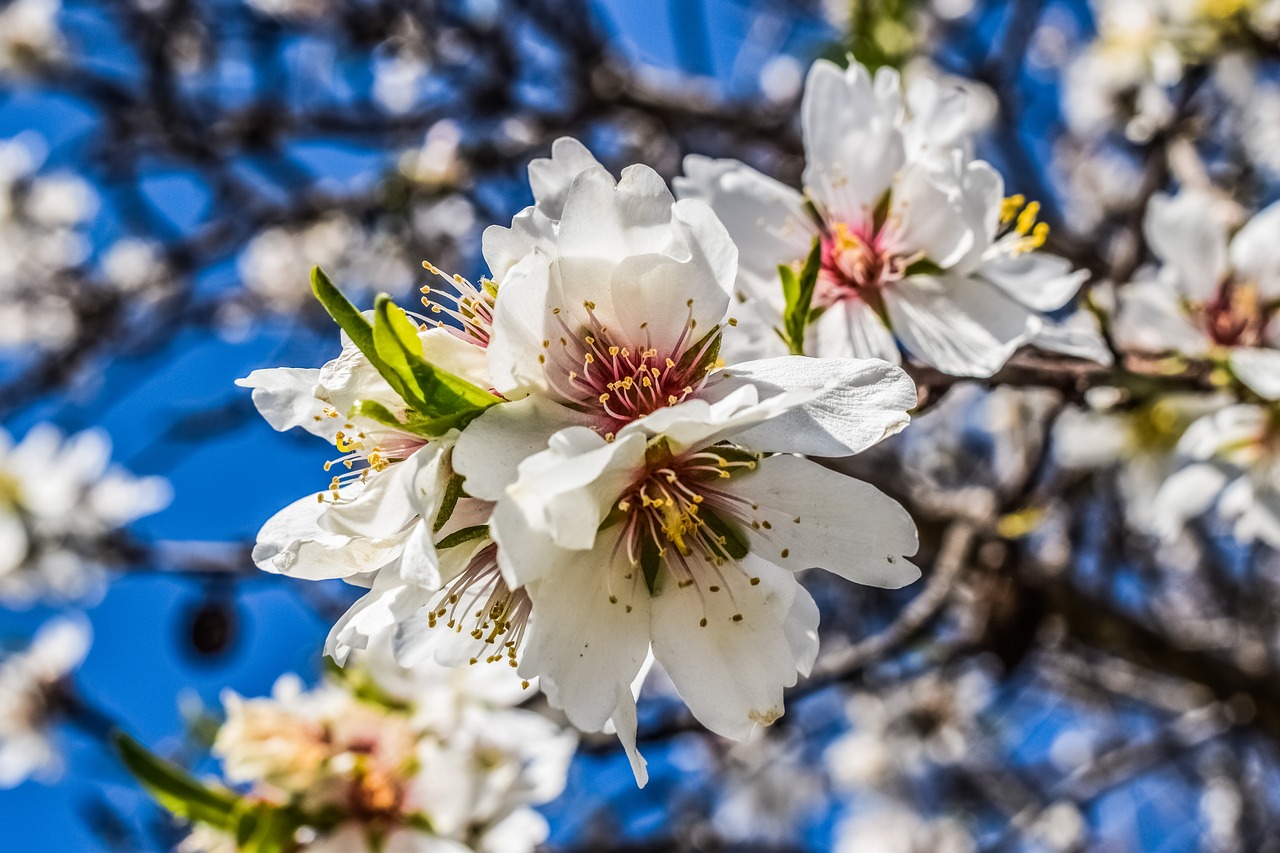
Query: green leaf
{"points": [[466, 534], [797, 291], [346, 315], [177, 790], [375, 411], [435, 393], [452, 491], [267, 829], [733, 542]]}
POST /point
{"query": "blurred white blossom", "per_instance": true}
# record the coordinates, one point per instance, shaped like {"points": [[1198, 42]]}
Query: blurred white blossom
{"points": [[60, 503], [32, 684], [892, 827], [432, 758], [29, 35]]}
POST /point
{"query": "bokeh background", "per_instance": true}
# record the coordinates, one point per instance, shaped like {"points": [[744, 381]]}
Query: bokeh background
{"points": [[172, 169]]}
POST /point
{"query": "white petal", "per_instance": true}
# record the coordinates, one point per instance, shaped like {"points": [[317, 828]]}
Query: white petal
{"points": [[560, 498], [386, 504], [697, 423], [444, 349], [1151, 319], [1255, 252], [960, 326], [13, 543], [801, 629], [824, 519], [852, 147], [605, 220], [286, 398], [1039, 281], [1258, 368], [859, 403], [1185, 234], [852, 328], [585, 648], [520, 325], [731, 672], [624, 724], [1078, 336], [1186, 494], [550, 178], [293, 543], [388, 602], [492, 446], [931, 216], [503, 248], [766, 219], [1232, 428]]}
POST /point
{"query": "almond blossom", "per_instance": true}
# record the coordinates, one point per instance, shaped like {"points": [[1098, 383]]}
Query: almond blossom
{"points": [[1231, 464], [917, 245], [387, 758], [1214, 296], [61, 505], [33, 684]]}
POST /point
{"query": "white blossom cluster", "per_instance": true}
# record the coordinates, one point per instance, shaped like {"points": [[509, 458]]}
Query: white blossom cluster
{"points": [[61, 502], [41, 246], [382, 758], [1143, 49], [1209, 304], [595, 458], [33, 683]]}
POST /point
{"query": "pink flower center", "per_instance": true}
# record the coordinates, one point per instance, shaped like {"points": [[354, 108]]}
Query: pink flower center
{"points": [[1236, 317], [618, 382], [858, 261]]}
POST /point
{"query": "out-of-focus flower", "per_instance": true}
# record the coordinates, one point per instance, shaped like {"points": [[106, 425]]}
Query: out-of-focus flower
{"points": [[29, 35], [892, 827], [1231, 463], [1138, 441], [1143, 49], [436, 163], [41, 247], [32, 684], [922, 723], [299, 10], [384, 758], [60, 504], [275, 263], [135, 267], [918, 246], [767, 790], [1210, 297]]}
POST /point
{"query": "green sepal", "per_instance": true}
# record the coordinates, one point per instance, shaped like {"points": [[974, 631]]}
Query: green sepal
{"points": [[734, 544], [650, 563], [375, 411], [267, 829], [176, 790], [460, 537], [346, 315], [363, 686], [923, 267], [452, 491], [696, 363], [797, 291], [437, 394]]}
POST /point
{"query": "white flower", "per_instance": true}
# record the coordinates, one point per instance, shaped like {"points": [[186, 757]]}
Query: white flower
{"points": [[1211, 295], [676, 537], [924, 722], [29, 34], [1139, 441], [30, 684], [917, 246], [1231, 462], [275, 262], [892, 827], [60, 503], [453, 751]]}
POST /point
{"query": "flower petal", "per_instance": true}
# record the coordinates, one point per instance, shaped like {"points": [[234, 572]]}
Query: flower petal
{"points": [[551, 177], [958, 325], [810, 516], [1151, 319], [286, 398], [1255, 252], [491, 448], [852, 328], [1259, 369], [585, 648], [293, 543], [859, 402], [1037, 280], [728, 653], [1182, 231]]}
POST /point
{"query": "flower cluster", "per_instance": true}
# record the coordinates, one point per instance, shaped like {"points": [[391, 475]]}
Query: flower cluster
{"points": [[918, 248], [555, 468], [378, 757], [61, 504], [33, 693]]}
